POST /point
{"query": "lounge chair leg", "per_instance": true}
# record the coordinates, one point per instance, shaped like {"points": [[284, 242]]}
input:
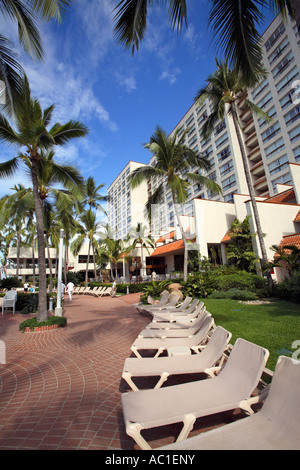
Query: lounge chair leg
{"points": [[160, 350], [162, 379], [134, 430], [135, 351], [127, 377], [188, 424]]}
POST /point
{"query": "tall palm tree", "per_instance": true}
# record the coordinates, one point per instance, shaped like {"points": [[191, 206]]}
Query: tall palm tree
{"points": [[234, 23], [174, 161], [16, 208], [92, 196], [25, 14], [224, 90], [32, 135], [141, 237], [88, 227], [115, 250]]}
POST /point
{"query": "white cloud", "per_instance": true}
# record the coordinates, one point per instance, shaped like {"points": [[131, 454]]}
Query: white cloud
{"points": [[170, 76]]}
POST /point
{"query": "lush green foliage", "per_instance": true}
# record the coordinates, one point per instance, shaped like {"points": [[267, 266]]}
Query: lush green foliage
{"points": [[154, 289], [33, 322], [220, 279], [28, 303], [289, 289]]}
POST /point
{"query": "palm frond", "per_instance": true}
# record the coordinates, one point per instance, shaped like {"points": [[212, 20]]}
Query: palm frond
{"points": [[143, 173], [177, 13], [131, 21], [49, 9], [7, 133], [63, 133], [234, 25], [9, 168]]}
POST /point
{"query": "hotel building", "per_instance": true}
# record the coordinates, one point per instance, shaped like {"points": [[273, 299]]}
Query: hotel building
{"points": [[271, 147]]}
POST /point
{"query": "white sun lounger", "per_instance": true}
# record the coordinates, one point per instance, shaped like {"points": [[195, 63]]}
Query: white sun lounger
{"points": [[159, 345], [208, 361], [179, 321], [183, 331], [231, 389], [275, 427], [172, 300], [168, 315]]}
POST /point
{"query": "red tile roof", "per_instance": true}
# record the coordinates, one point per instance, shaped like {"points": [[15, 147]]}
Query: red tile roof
{"points": [[166, 237], [290, 240], [285, 196], [297, 218], [169, 248]]}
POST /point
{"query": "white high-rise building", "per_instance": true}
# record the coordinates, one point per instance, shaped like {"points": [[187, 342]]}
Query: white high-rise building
{"points": [[126, 206]]}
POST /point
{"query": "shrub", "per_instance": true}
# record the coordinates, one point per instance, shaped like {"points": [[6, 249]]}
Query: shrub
{"points": [[154, 289], [28, 303], [9, 282], [289, 289], [235, 294], [204, 284], [33, 322]]}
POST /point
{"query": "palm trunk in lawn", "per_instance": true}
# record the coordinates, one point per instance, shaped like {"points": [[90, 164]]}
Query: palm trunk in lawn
{"points": [[185, 257], [251, 193], [42, 314]]}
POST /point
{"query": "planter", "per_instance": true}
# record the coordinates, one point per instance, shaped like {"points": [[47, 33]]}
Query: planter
{"points": [[41, 329]]}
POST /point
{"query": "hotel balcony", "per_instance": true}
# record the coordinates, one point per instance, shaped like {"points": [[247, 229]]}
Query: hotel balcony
{"points": [[258, 170], [252, 140], [261, 185], [255, 154]]}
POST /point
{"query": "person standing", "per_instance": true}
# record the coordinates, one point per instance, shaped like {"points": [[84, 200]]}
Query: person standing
{"points": [[26, 285], [70, 287]]}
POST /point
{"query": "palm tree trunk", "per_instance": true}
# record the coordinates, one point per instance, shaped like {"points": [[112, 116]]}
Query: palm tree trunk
{"points": [[42, 314], [251, 193], [33, 262], [87, 265], [185, 258], [50, 266]]}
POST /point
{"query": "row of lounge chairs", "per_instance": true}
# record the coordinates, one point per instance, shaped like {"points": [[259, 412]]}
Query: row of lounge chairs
{"points": [[233, 379], [96, 291]]}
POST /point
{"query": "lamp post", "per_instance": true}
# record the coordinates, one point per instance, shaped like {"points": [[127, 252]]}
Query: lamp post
{"points": [[58, 309]]}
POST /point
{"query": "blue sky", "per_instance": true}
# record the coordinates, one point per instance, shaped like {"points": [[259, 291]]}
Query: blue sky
{"points": [[120, 98]]}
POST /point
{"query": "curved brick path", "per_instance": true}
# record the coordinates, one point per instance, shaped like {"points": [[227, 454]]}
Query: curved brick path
{"points": [[62, 389]]}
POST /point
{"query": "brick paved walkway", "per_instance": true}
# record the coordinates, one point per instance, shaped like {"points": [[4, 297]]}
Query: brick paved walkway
{"points": [[61, 389]]}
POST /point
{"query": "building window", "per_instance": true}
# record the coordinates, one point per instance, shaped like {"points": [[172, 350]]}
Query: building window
{"points": [[278, 165], [285, 179], [222, 140], [294, 134], [287, 80], [275, 147], [271, 132], [292, 116], [278, 51], [296, 153], [229, 182], [274, 37], [288, 59], [225, 153], [227, 168]]}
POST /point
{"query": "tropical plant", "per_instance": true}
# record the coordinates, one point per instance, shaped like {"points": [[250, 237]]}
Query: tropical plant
{"points": [[116, 250], [25, 13], [224, 89], [173, 162], [32, 135], [240, 249], [287, 257], [140, 237], [234, 23]]}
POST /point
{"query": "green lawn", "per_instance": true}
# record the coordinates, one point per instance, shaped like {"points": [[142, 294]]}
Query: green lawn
{"points": [[274, 326]]}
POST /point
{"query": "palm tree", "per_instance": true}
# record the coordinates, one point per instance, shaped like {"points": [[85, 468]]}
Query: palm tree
{"points": [[287, 257], [115, 250], [139, 236], [173, 162], [224, 90], [88, 227], [234, 25], [31, 133], [25, 13], [91, 196]]}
